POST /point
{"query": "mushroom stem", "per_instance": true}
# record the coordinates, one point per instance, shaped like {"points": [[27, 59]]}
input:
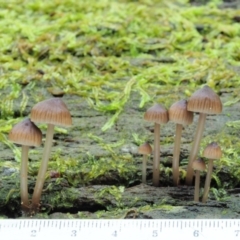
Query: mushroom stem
{"points": [[156, 155], [195, 147], [197, 184], [43, 168], [24, 178], [144, 168], [207, 181], [176, 152]]}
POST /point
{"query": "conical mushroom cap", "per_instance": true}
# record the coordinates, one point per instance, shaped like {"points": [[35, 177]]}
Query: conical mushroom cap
{"points": [[199, 164], [205, 100], [145, 148], [26, 133], [157, 114], [51, 111], [212, 151], [179, 114]]}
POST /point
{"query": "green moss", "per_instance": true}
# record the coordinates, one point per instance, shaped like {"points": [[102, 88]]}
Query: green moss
{"points": [[112, 55], [109, 193], [164, 207]]}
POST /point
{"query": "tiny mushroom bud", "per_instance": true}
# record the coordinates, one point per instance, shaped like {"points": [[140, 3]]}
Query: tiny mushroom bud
{"points": [[145, 149], [205, 101], [25, 133], [53, 112], [179, 114], [159, 115], [198, 165], [212, 152], [56, 92]]}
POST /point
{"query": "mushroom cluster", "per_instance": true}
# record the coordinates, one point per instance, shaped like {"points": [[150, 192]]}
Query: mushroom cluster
{"points": [[204, 101], [211, 152], [52, 112]]}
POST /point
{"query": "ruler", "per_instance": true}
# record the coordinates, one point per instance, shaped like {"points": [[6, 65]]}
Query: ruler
{"points": [[63, 229]]}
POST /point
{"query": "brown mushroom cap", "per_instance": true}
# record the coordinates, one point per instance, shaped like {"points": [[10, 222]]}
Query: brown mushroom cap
{"points": [[26, 133], [212, 151], [145, 148], [51, 111], [205, 100], [199, 164], [157, 114], [179, 114]]}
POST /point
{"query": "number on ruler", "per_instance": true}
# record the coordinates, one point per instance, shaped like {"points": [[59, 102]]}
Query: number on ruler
{"points": [[33, 233], [196, 233], [154, 233], [237, 233], [74, 233], [115, 234]]}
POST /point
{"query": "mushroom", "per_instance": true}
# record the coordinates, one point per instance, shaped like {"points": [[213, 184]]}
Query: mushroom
{"points": [[212, 152], [145, 149], [56, 92], [204, 101], [25, 133], [179, 114], [53, 112], [198, 165], [157, 114]]}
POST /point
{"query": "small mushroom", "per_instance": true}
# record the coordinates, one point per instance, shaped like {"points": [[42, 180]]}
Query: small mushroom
{"points": [[56, 92], [145, 149], [53, 112], [205, 101], [159, 115], [198, 165], [25, 133], [212, 152], [179, 114]]}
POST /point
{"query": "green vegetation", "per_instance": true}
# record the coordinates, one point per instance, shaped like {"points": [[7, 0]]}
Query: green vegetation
{"points": [[104, 52]]}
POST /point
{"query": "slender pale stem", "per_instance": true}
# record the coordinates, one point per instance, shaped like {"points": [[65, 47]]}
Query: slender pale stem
{"points": [[195, 147], [197, 184], [24, 178], [144, 168], [156, 155], [43, 168], [207, 181], [176, 153]]}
